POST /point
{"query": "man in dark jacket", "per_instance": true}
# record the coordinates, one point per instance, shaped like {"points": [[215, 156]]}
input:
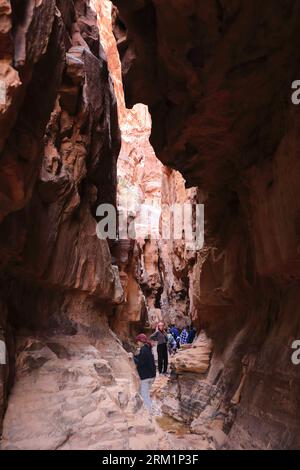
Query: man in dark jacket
{"points": [[146, 368]]}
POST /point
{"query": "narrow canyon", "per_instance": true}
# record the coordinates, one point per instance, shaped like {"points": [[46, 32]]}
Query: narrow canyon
{"points": [[148, 103]]}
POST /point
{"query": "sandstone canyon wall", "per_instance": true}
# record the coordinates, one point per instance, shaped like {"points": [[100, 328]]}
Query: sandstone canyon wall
{"points": [[216, 77], [69, 381], [157, 275]]}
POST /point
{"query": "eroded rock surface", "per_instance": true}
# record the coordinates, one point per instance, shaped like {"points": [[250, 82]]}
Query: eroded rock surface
{"points": [[72, 393], [157, 274], [217, 79], [183, 399], [59, 145]]}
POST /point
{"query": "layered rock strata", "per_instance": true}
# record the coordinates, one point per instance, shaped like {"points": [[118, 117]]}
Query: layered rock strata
{"points": [[157, 274], [63, 371], [217, 79]]}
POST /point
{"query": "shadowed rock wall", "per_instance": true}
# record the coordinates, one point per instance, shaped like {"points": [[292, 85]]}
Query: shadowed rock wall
{"points": [[217, 79]]}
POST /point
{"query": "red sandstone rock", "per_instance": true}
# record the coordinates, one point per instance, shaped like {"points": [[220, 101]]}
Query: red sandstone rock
{"points": [[217, 78], [144, 180], [60, 142], [71, 394]]}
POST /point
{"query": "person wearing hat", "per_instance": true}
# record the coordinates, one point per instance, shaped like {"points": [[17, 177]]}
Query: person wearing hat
{"points": [[146, 368], [161, 337]]}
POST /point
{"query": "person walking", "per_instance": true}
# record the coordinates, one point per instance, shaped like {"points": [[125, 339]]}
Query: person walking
{"points": [[183, 336], [146, 368], [174, 331], [172, 345], [161, 337]]}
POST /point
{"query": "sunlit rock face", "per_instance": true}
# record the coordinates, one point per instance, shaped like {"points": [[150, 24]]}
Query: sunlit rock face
{"points": [[74, 393], [217, 79], [156, 273]]}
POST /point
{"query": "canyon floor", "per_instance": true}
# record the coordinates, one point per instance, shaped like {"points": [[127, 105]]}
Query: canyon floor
{"points": [[71, 394], [178, 434]]}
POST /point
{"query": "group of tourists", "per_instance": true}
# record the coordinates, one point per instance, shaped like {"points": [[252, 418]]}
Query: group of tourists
{"points": [[169, 340], [177, 337]]}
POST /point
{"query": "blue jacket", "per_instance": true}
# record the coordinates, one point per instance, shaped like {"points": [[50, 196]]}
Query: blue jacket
{"points": [[174, 332], [183, 336], [191, 336]]}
